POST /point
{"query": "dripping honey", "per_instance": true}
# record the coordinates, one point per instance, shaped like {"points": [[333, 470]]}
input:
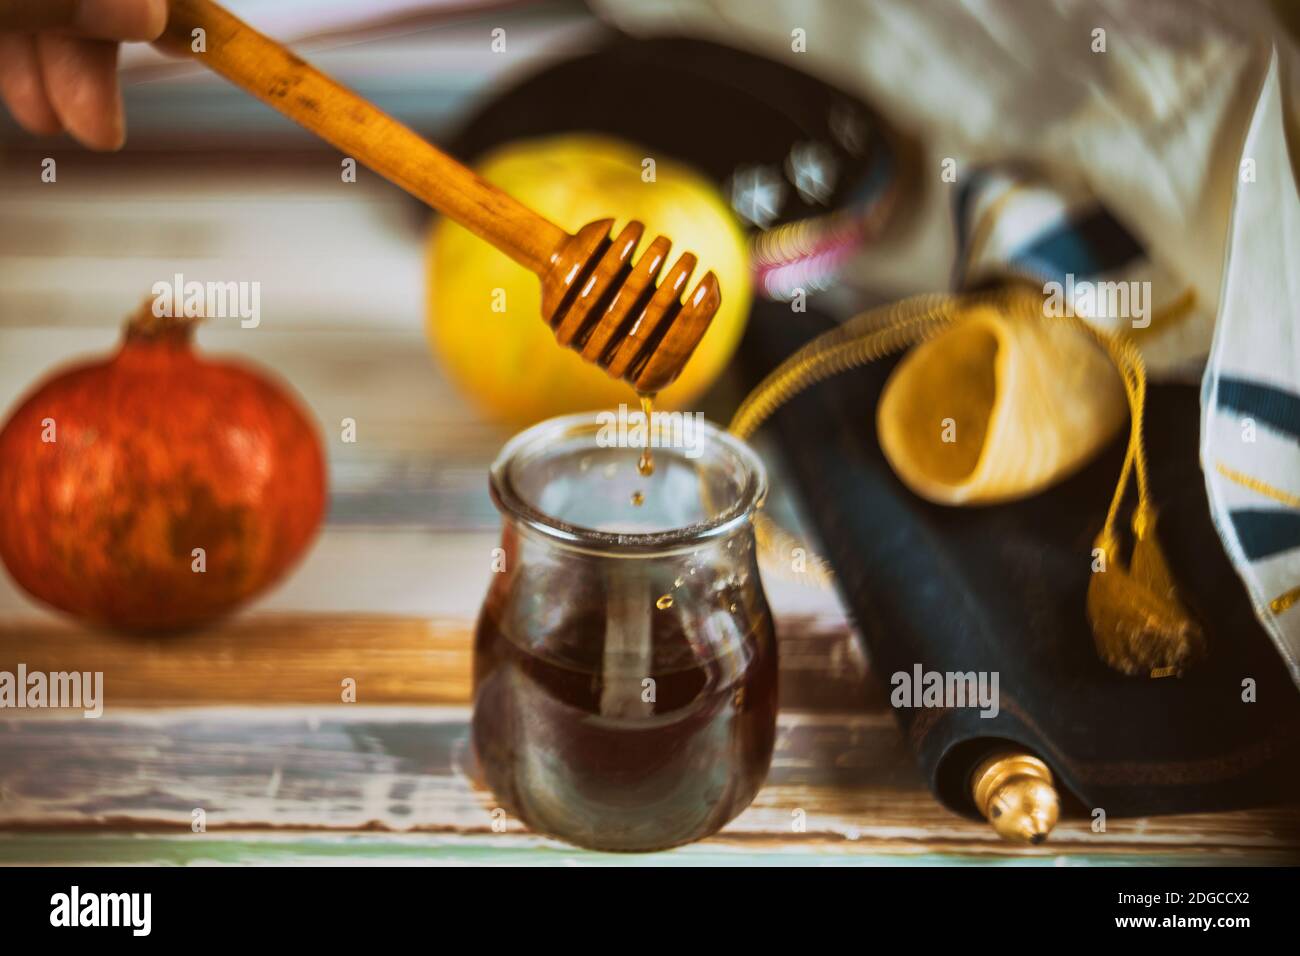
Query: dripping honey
{"points": [[646, 463]]}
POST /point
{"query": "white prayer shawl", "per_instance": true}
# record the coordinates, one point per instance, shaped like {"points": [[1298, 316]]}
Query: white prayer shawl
{"points": [[1250, 426]]}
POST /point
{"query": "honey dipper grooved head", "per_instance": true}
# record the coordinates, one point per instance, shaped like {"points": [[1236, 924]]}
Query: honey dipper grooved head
{"points": [[614, 312]]}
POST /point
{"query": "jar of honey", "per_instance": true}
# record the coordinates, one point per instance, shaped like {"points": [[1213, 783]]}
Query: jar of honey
{"points": [[625, 679]]}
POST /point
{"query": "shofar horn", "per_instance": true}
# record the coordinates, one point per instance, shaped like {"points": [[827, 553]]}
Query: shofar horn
{"points": [[998, 408]]}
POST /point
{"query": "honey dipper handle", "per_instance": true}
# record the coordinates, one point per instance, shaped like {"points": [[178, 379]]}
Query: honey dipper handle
{"points": [[339, 116]]}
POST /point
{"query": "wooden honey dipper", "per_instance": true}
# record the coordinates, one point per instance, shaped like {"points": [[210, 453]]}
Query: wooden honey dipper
{"points": [[599, 302]]}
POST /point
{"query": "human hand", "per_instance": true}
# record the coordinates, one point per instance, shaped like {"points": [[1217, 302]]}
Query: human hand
{"points": [[58, 63]]}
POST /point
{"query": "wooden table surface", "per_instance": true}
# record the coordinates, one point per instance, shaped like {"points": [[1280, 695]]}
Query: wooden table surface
{"points": [[245, 721]]}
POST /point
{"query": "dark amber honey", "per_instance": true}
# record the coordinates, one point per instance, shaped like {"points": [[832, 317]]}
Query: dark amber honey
{"points": [[625, 745]]}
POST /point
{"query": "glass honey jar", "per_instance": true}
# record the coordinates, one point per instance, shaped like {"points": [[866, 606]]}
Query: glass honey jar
{"points": [[625, 674]]}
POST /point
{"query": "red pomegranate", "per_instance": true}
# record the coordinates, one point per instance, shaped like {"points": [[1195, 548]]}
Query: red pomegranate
{"points": [[157, 488]]}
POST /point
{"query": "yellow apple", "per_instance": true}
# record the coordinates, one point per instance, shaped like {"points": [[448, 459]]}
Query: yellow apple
{"points": [[484, 311]]}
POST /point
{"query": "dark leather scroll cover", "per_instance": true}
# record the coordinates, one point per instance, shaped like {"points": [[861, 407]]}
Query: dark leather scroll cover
{"points": [[1002, 588]]}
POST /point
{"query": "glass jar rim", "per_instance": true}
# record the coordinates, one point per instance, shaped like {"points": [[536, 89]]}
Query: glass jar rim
{"points": [[512, 504]]}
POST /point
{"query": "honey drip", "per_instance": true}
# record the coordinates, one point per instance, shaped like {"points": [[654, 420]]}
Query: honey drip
{"points": [[646, 463]]}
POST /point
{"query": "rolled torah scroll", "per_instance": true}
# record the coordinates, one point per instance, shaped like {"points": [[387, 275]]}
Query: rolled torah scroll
{"points": [[998, 407]]}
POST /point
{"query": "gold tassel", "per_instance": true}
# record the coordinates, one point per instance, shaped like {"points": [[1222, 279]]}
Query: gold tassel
{"points": [[1138, 623]]}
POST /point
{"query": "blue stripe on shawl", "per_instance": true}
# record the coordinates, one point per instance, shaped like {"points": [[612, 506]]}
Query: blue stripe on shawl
{"points": [[1088, 245], [1273, 407], [1266, 531]]}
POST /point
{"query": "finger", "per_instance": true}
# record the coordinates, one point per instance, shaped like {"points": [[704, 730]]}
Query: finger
{"points": [[80, 78], [98, 19], [120, 19], [21, 86]]}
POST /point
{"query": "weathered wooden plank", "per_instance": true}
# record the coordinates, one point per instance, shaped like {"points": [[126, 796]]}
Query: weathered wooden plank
{"points": [[275, 659], [259, 659], [839, 781], [349, 766]]}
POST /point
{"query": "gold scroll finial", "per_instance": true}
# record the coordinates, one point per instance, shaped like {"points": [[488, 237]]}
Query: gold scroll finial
{"points": [[1014, 792]]}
